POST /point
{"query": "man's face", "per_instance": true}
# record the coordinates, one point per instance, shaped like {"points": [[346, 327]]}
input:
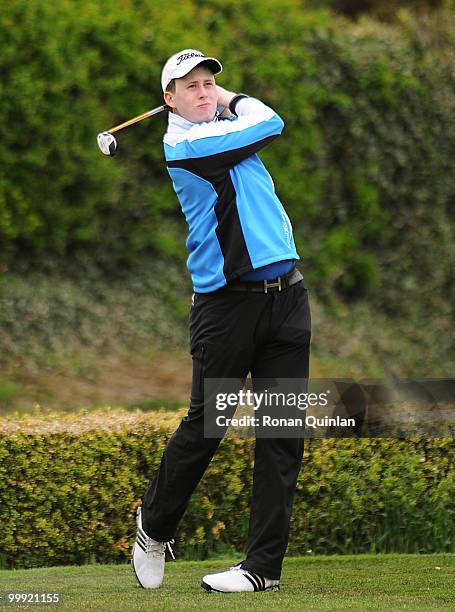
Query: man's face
{"points": [[195, 96]]}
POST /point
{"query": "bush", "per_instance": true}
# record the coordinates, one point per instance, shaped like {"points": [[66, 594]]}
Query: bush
{"points": [[71, 484], [364, 165]]}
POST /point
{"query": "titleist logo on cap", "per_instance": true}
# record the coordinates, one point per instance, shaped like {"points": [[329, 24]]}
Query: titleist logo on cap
{"points": [[186, 56]]}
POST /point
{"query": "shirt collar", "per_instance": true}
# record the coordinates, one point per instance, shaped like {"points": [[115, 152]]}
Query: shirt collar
{"points": [[177, 123]]}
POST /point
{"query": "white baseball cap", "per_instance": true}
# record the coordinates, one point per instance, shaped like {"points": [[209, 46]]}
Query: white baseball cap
{"points": [[183, 62]]}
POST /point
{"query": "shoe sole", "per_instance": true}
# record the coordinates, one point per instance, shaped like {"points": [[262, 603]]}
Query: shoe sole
{"points": [[210, 589], [134, 569]]}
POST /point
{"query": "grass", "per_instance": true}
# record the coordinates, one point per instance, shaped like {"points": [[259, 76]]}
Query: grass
{"points": [[359, 582], [72, 338]]}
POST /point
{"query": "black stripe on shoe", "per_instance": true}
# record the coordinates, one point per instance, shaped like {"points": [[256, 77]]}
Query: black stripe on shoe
{"points": [[253, 581], [261, 580], [139, 543], [256, 579]]}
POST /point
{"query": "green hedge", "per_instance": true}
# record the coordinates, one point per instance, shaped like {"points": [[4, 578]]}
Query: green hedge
{"points": [[365, 165], [70, 486]]}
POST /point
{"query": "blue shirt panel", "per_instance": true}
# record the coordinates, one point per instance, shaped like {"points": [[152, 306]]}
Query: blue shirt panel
{"points": [[197, 198], [265, 224]]}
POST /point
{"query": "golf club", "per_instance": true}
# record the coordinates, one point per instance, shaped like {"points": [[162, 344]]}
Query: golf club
{"points": [[107, 142]]}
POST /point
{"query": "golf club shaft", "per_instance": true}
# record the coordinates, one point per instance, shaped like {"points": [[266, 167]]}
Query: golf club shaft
{"points": [[154, 111]]}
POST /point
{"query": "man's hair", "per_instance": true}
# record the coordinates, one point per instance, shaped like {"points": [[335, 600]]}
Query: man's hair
{"points": [[171, 86]]}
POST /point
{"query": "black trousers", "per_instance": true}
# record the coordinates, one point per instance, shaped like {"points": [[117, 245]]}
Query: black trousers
{"points": [[233, 333]]}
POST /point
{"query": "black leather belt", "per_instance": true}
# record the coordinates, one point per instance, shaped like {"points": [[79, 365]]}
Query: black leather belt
{"points": [[280, 283]]}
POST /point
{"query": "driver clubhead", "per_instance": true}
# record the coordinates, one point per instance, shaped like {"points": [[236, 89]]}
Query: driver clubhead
{"points": [[107, 143]]}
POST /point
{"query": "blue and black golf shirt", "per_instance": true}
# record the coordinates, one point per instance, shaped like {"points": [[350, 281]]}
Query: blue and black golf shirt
{"points": [[236, 222]]}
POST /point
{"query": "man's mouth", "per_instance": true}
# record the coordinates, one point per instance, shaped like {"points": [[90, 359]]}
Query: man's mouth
{"points": [[205, 105]]}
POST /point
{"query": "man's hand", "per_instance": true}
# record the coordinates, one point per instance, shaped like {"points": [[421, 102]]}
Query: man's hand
{"points": [[226, 114], [224, 96]]}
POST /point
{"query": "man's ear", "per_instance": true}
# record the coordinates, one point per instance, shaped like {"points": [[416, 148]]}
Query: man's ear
{"points": [[169, 99]]}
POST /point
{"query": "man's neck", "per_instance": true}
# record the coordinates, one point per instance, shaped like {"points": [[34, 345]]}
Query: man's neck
{"points": [[175, 114]]}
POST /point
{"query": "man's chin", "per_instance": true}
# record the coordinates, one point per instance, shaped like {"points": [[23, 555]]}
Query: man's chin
{"points": [[206, 115]]}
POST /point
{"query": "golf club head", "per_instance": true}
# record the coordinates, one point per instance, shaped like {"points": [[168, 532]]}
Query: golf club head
{"points": [[107, 143]]}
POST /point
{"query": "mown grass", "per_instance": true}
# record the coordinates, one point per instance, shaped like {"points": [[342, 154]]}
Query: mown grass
{"points": [[362, 582]]}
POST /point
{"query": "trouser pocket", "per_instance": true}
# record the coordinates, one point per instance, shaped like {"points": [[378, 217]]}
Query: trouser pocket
{"points": [[197, 385], [201, 373]]}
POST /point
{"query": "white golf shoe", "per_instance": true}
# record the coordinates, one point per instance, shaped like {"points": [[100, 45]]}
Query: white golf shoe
{"points": [[148, 557], [238, 580]]}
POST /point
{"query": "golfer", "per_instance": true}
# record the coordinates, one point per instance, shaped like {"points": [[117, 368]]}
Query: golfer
{"points": [[250, 313]]}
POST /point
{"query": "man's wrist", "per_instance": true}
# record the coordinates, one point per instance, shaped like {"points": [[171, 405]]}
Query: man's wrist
{"points": [[233, 102]]}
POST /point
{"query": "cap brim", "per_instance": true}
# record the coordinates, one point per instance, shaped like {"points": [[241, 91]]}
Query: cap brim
{"points": [[211, 62]]}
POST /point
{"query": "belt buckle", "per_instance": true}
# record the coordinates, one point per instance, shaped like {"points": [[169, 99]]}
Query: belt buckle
{"points": [[268, 285]]}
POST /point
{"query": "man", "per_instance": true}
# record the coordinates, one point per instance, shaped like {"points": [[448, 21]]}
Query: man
{"points": [[250, 313]]}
